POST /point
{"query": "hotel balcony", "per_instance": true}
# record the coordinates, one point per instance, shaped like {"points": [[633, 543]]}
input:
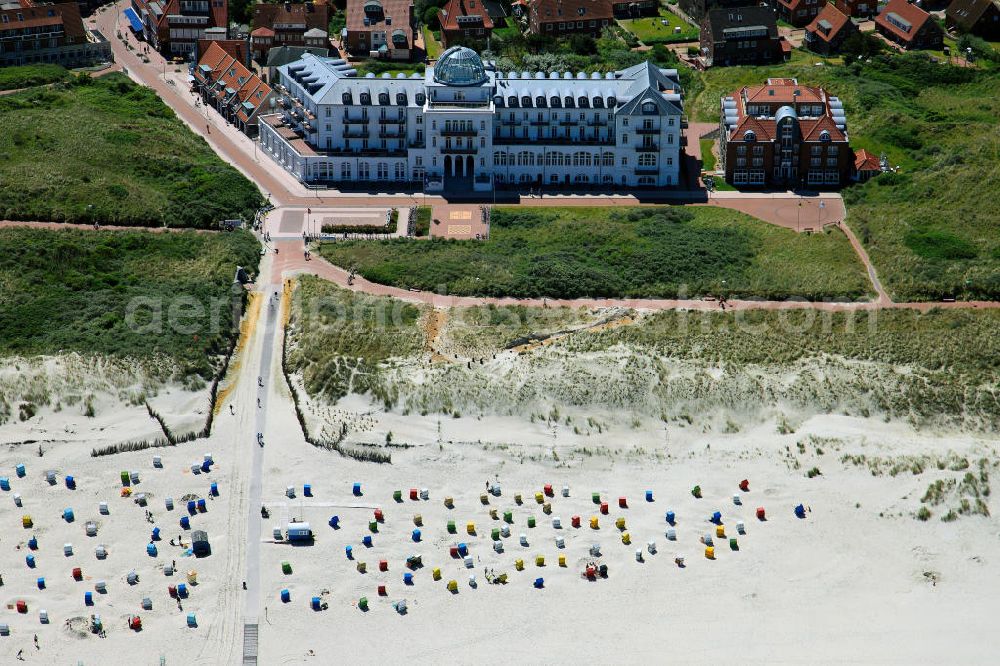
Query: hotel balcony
{"points": [[459, 132], [355, 134], [462, 150], [649, 148], [355, 121]]}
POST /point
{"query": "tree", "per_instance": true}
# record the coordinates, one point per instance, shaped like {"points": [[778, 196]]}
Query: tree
{"points": [[583, 45], [430, 17], [861, 44]]}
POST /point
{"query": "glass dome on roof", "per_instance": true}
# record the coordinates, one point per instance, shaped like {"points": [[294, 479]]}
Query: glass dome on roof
{"points": [[459, 66]]}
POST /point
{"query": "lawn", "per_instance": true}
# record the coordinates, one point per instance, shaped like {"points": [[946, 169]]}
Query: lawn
{"points": [[652, 30], [707, 156], [108, 150], [26, 76], [926, 227], [620, 252], [431, 44], [74, 290]]}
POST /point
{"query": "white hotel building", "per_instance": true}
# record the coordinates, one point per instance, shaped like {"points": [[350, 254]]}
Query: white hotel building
{"points": [[463, 126]]}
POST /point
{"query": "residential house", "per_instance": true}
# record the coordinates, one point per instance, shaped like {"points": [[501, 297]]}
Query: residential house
{"points": [[562, 18], [229, 87], [856, 8], [741, 36], [909, 26], [463, 22], [978, 17], [798, 12], [46, 32], [289, 24], [463, 126], [631, 9], [866, 165], [828, 31], [381, 28], [783, 134], [173, 27], [697, 9]]}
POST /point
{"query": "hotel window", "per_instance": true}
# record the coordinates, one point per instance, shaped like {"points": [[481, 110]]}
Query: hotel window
{"points": [[670, 121], [816, 150], [831, 150], [741, 150], [758, 150]]}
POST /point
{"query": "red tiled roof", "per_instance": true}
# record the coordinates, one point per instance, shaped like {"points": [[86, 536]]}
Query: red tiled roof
{"points": [[399, 12], [234, 75], [866, 161], [267, 15], [792, 5], [262, 32], [831, 15], [455, 8], [782, 90], [910, 13]]}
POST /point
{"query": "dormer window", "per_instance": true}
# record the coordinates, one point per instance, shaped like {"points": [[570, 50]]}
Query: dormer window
{"points": [[824, 135], [401, 99], [648, 108], [366, 98], [346, 98], [749, 136], [420, 98], [383, 99]]}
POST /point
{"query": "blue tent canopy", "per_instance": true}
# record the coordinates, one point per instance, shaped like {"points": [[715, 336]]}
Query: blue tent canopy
{"points": [[133, 19]]}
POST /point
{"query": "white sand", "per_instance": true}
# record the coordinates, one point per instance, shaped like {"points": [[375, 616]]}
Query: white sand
{"points": [[853, 582]]}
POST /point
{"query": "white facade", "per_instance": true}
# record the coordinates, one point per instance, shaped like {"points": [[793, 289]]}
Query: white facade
{"points": [[463, 125]]}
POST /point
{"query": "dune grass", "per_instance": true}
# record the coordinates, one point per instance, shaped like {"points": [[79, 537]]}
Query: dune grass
{"points": [[337, 339], [111, 151], [26, 76], [617, 252], [129, 294]]}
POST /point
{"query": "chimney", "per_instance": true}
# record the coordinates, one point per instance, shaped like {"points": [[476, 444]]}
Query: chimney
{"points": [[288, 7]]}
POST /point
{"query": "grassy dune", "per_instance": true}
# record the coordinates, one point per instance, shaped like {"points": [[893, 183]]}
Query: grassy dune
{"points": [[108, 150], [623, 252], [123, 294], [935, 369]]}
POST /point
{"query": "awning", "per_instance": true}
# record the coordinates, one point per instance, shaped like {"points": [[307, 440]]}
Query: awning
{"points": [[133, 19]]}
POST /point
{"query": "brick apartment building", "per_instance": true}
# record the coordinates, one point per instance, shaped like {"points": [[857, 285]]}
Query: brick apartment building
{"points": [[561, 18], [386, 28], [909, 26], [173, 27], [782, 134], [464, 21], [226, 85], [798, 12], [49, 32], [289, 24], [741, 36]]}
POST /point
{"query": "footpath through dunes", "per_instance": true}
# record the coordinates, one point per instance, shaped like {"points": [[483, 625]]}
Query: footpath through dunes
{"points": [[291, 261]]}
